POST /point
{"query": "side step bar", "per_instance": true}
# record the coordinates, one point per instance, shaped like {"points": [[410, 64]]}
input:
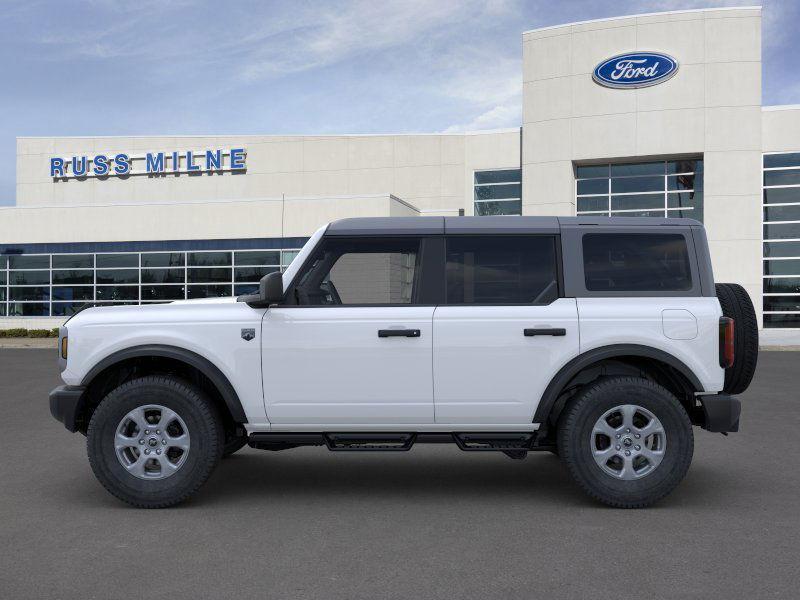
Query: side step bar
{"points": [[508, 442]]}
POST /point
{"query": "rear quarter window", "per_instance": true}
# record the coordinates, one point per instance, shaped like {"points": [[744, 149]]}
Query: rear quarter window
{"points": [[636, 262]]}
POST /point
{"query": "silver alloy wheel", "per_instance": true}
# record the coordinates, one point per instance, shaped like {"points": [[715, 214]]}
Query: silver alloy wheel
{"points": [[152, 442], [628, 442]]}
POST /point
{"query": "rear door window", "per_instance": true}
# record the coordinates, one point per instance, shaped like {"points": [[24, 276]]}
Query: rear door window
{"points": [[636, 262], [501, 269]]}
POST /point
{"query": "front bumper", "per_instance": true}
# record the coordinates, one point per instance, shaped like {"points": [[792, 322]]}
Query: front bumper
{"points": [[721, 412], [66, 405]]}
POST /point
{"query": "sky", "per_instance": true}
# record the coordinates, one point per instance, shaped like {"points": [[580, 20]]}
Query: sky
{"points": [[156, 67]]}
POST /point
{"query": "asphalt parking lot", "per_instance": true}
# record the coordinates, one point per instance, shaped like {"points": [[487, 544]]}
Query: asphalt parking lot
{"points": [[430, 523]]}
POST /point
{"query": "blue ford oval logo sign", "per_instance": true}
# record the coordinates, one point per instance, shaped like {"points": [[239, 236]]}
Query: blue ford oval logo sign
{"points": [[635, 70]]}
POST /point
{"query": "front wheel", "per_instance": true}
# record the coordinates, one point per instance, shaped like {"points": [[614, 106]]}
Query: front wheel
{"points": [[627, 441], [153, 441]]}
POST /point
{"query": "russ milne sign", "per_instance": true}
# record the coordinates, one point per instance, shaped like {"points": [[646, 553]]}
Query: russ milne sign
{"points": [[151, 163], [635, 70]]}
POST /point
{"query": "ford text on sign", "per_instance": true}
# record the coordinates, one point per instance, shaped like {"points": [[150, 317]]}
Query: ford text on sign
{"points": [[635, 70]]}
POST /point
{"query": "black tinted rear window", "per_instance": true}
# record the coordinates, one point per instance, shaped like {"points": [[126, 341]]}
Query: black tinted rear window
{"points": [[501, 270], [636, 262]]}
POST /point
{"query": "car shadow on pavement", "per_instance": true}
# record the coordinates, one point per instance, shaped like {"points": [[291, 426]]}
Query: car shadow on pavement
{"points": [[540, 478]]}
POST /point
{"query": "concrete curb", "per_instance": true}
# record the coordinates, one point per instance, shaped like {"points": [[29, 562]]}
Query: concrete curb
{"points": [[29, 343]]}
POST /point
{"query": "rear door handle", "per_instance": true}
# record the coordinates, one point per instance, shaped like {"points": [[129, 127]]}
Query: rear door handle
{"points": [[556, 331], [399, 333]]}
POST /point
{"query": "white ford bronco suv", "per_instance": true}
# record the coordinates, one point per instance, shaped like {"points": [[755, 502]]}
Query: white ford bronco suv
{"points": [[603, 340]]}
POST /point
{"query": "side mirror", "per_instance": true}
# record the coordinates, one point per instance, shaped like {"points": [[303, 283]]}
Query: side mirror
{"points": [[270, 288]]}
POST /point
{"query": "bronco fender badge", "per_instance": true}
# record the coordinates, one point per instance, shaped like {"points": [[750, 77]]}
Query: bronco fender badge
{"points": [[248, 334]]}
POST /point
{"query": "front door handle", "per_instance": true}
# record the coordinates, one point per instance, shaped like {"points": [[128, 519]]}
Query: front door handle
{"points": [[556, 331], [399, 333]]}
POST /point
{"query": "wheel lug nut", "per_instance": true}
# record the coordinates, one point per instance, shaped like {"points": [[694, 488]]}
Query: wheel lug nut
{"points": [[141, 441], [147, 451], [637, 436], [164, 442], [618, 446], [617, 436], [146, 431], [638, 447], [158, 451], [628, 430], [627, 452], [158, 432]]}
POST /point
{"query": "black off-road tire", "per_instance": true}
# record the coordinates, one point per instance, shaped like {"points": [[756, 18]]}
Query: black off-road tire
{"points": [[575, 428], [736, 304], [202, 421], [233, 444]]}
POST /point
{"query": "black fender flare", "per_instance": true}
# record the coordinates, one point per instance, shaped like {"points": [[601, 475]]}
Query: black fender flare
{"points": [[202, 364], [590, 357]]}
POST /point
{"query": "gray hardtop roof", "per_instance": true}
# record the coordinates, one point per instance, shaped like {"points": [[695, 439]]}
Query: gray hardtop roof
{"points": [[488, 225]]}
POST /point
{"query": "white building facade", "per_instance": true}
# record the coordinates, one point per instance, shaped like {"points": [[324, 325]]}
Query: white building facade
{"points": [[151, 219]]}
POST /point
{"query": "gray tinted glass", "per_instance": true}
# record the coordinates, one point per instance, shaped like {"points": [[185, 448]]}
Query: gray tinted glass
{"points": [[778, 321], [788, 177], [73, 261], [616, 262], [777, 249], [209, 275], [260, 257], [782, 285], [28, 277], [782, 213], [777, 231], [61, 277], [117, 260], [29, 262], [162, 292], [73, 292], [501, 270], [590, 171], [791, 159], [781, 195], [209, 259], [782, 267], [118, 276], [499, 176], [499, 207], [163, 259], [29, 293], [651, 168], [209, 291], [163, 275], [361, 272]]}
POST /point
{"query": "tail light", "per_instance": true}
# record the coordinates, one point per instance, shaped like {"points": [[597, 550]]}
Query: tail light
{"points": [[726, 354]]}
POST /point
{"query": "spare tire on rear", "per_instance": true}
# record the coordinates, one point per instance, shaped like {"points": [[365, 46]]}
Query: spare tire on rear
{"points": [[736, 304]]}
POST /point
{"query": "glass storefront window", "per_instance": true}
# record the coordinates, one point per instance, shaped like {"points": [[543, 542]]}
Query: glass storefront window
{"points": [[672, 188], [781, 213], [59, 284], [498, 192]]}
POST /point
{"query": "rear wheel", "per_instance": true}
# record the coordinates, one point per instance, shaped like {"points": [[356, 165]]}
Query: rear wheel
{"points": [[153, 441], [736, 304], [626, 441]]}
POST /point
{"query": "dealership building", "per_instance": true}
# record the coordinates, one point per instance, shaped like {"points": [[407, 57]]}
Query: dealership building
{"points": [[647, 115]]}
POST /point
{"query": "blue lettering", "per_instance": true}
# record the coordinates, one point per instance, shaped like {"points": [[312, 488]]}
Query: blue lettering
{"points": [[123, 165], [237, 159], [190, 166], [100, 164], [213, 160], [155, 162], [176, 162], [56, 167], [77, 170]]}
